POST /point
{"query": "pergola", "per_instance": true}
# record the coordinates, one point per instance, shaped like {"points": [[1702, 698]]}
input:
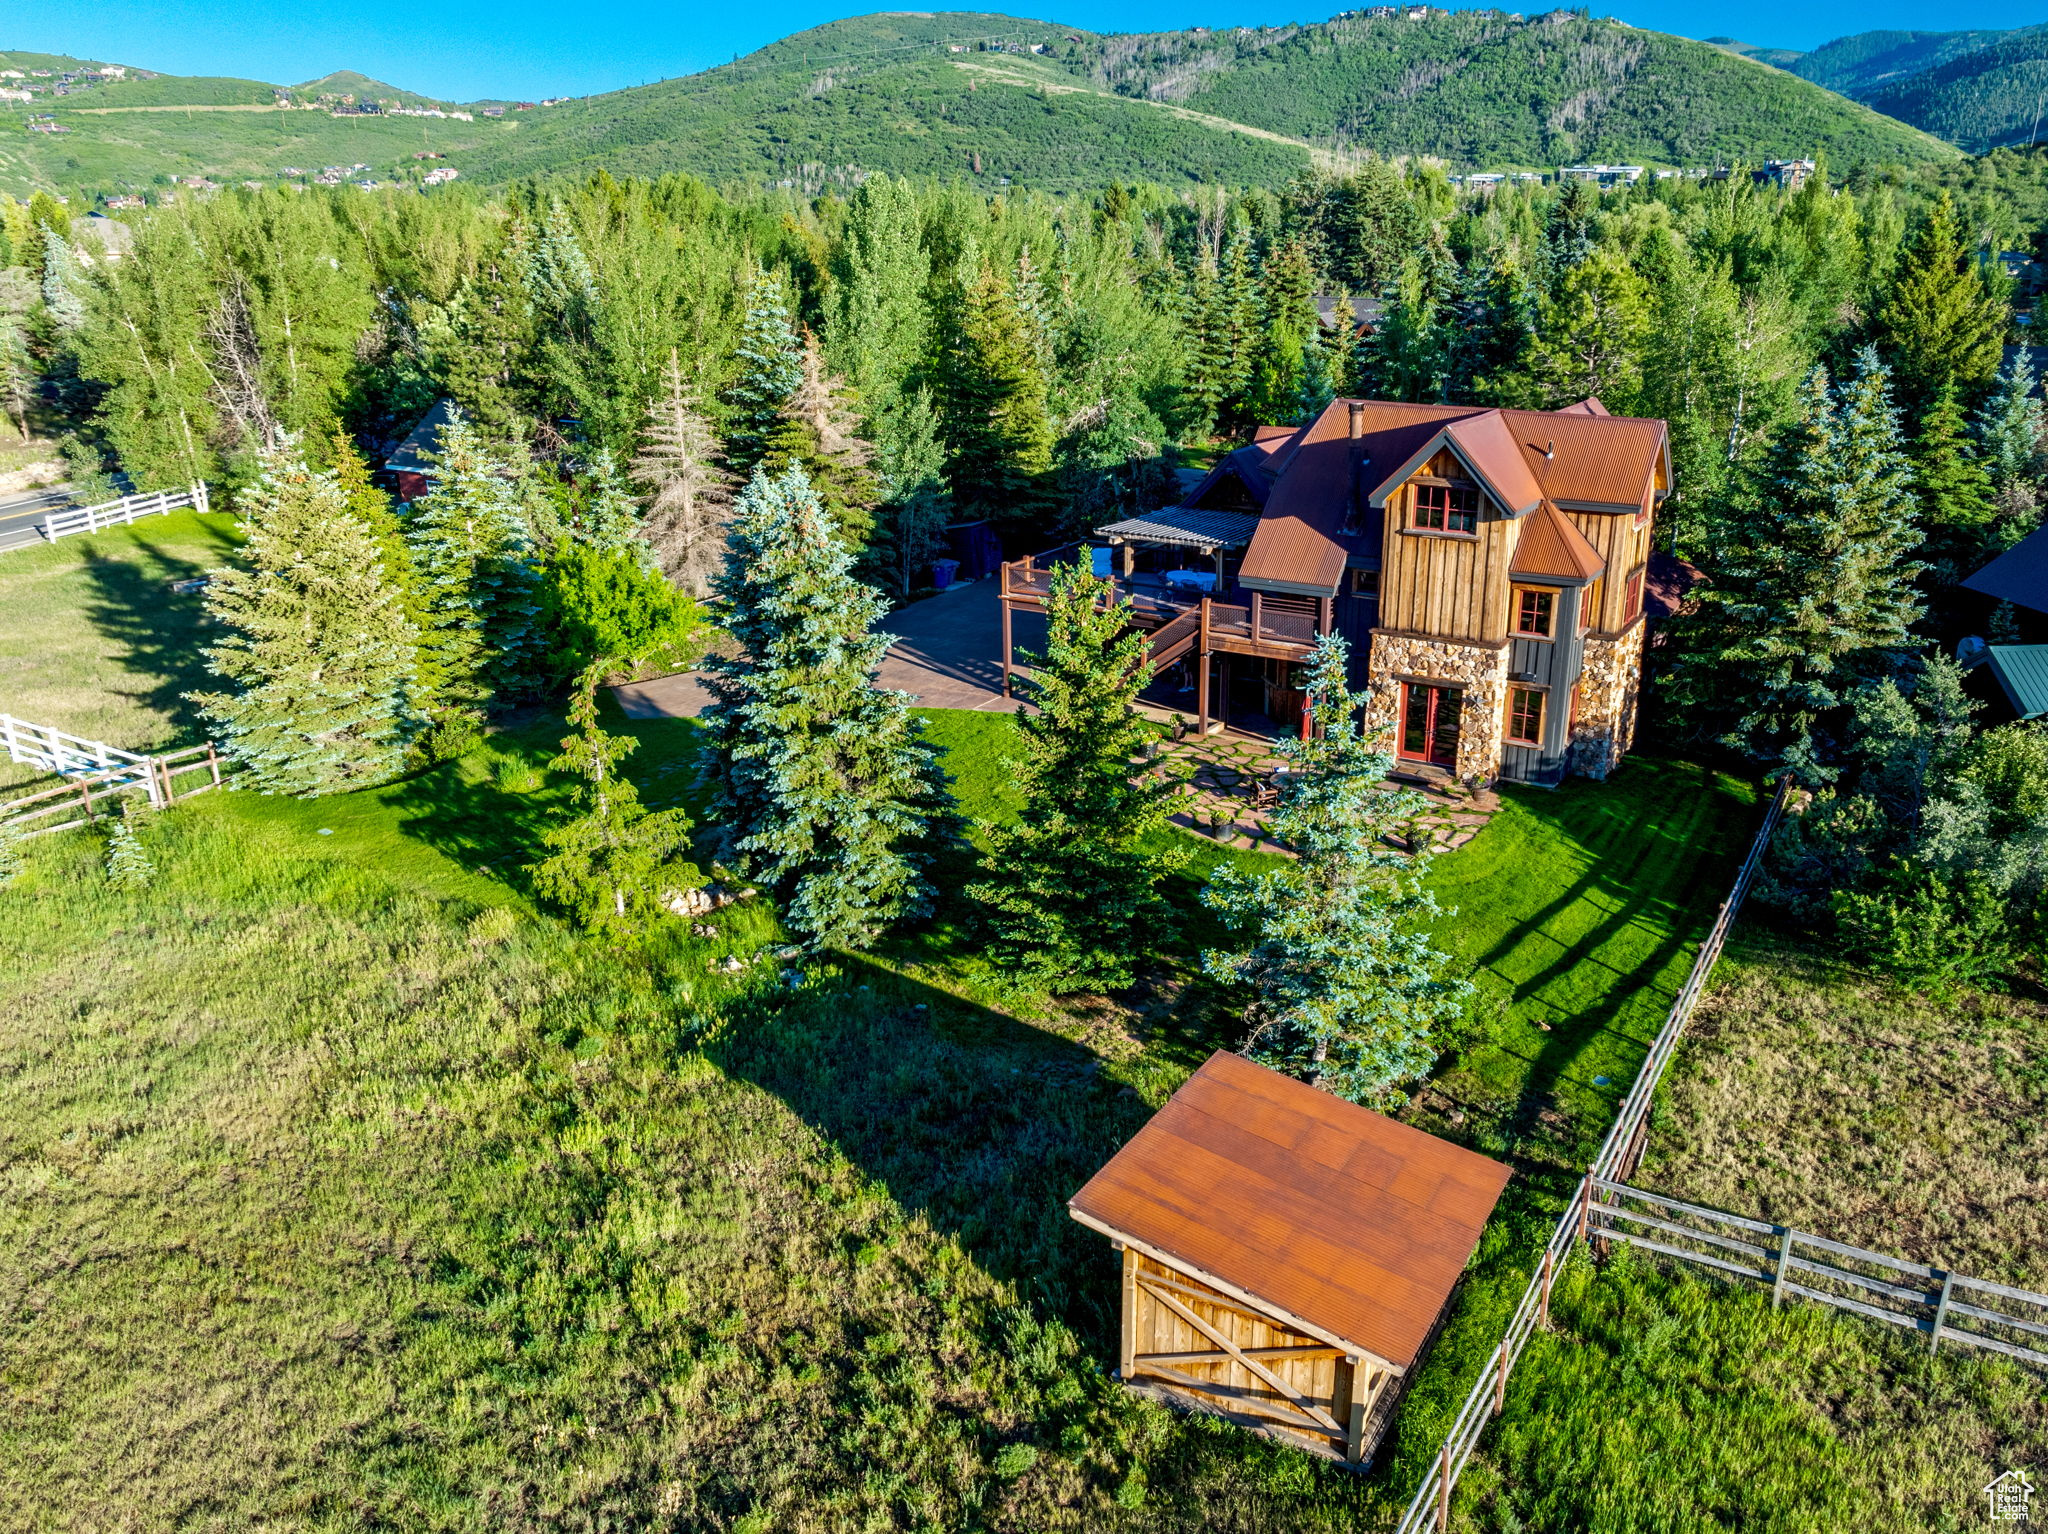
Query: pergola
{"points": [[1287, 1256], [1191, 529]]}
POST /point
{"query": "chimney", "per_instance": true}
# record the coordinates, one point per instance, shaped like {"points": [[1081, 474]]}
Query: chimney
{"points": [[1357, 418]]}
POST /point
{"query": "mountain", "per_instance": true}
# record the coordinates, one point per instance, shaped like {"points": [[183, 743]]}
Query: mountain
{"points": [[1976, 89], [346, 82], [1777, 58], [996, 100]]}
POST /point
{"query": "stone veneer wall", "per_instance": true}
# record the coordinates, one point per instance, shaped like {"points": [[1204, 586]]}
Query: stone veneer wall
{"points": [[1483, 673], [1610, 682]]}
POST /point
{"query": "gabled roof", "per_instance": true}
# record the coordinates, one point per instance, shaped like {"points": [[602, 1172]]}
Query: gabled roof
{"points": [[413, 454], [1483, 443], [1320, 1211], [2022, 670], [1297, 545], [1588, 406], [2019, 575], [1550, 544]]}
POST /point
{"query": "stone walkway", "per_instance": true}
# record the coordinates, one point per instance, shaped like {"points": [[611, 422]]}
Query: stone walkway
{"points": [[1233, 793]]}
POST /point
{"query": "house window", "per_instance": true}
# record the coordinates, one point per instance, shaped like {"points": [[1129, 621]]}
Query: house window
{"points": [[1429, 723], [1365, 583], [1525, 716], [1447, 508], [1632, 604], [1534, 612]]}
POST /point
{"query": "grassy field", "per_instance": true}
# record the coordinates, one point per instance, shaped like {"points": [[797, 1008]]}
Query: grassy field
{"points": [[344, 1188], [93, 640]]}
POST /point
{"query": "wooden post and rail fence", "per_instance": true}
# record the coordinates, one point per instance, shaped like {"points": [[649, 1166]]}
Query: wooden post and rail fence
{"points": [[119, 513], [94, 773], [1997, 1317]]}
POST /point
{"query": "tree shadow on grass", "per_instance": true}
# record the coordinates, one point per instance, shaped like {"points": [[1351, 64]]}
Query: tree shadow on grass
{"points": [[161, 633]]}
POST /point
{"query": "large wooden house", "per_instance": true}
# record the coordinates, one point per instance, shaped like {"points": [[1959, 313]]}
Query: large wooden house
{"points": [[1488, 567]]}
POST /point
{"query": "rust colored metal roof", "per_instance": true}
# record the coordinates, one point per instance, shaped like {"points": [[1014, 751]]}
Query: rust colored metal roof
{"points": [[1321, 1211], [1596, 460], [1589, 406], [1550, 544], [1297, 543]]}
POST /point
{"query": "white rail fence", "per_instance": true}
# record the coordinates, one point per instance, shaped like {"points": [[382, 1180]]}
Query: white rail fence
{"points": [[1431, 1506], [94, 519], [95, 772]]}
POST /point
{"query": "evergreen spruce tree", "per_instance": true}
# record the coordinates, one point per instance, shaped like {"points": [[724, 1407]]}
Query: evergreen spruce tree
{"points": [[471, 545], [1940, 326], [607, 517], [1280, 365], [1814, 592], [822, 784], [997, 408], [612, 862], [679, 463], [487, 344], [1242, 335], [320, 654], [771, 366], [819, 430], [1205, 366], [1069, 889], [2012, 442], [373, 508], [1346, 983], [915, 504], [128, 864]]}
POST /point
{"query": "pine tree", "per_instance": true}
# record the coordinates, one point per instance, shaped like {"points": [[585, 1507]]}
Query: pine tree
{"points": [[679, 463], [771, 366], [1940, 326], [1591, 336], [320, 654], [1280, 363], [373, 508], [997, 420], [128, 863], [819, 429], [1953, 488], [613, 863], [1346, 982], [1205, 368], [1069, 889], [915, 504], [471, 545], [1814, 592], [489, 339], [608, 517], [821, 781]]}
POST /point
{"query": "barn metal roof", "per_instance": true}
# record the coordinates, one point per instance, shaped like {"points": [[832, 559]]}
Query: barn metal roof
{"points": [[1319, 1210], [1551, 545], [2022, 670]]}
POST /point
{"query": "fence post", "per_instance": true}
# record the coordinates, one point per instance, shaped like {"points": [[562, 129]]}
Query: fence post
{"points": [[1543, 1305], [1500, 1381], [1941, 1312], [1443, 1489], [1585, 1203], [199, 494], [1784, 1261], [213, 762]]}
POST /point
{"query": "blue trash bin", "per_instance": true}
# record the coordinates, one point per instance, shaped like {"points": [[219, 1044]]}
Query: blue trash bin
{"points": [[1101, 567], [943, 571]]}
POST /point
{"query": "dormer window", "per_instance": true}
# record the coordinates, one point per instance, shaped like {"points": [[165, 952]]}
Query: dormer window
{"points": [[1447, 508], [1534, 612]]}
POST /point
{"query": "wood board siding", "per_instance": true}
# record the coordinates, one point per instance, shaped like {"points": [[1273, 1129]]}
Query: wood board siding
{"points": [[1624, 547], [1446, 586], [1202, 1345], [1554, 665]]}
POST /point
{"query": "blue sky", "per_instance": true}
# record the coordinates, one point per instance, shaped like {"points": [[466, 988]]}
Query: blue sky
{"points": [[467, 49]]}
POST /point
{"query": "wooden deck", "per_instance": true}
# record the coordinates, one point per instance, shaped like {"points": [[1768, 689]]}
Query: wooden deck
{"points": [[1180, 623]]}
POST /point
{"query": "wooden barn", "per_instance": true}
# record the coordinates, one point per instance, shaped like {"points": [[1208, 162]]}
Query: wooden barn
{"points": [[1287, 1256]]}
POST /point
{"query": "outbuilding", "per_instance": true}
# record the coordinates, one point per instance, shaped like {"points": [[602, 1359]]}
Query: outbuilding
{"points": [[1287, 1256]]}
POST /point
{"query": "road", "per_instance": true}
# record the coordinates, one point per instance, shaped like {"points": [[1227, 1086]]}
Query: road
{"points": [[21, 516]]}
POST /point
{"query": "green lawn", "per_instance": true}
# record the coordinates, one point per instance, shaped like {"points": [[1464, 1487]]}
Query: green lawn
{"points": [[93, 640]]}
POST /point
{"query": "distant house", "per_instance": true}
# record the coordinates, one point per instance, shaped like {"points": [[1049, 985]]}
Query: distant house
{"points": [[1602, 175], [1790, 174], [410, 469], [1488, 567]]}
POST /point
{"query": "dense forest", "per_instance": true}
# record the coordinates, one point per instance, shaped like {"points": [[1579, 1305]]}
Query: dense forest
{"points": [[622, 355]]}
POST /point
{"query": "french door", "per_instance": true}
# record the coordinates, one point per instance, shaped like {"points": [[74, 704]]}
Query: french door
{"points": [[1429, 723]]}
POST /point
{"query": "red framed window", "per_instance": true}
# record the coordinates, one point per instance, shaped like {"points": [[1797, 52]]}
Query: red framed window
{"points": [[1447, 508], [1429, 723], [1525, 716], [1535, 612], [1632, 603]]}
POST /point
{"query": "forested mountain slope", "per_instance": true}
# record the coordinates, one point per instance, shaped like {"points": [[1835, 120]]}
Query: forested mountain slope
{"points": [[1000, 101], [1976, 89]]}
